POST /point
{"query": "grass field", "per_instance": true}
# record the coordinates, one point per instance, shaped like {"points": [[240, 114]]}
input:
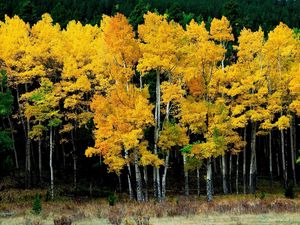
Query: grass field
{"points": [[262, 208], [215, 219]]}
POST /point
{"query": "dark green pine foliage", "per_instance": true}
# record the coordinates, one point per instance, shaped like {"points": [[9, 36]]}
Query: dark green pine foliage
{"points": [[6, 101], [242, 13]]}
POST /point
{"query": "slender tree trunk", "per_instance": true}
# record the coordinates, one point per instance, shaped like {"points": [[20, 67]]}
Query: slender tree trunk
{"points": [[138, 179], [27, 156], [277, 163], [270, 160], [208, 180], [186, 177], [224, 175], [120, 183], [237, 174], [156, 132], [146, 183], [214, 173], [293, 151], [130, 188], [51, 165], [198, 180], [13, 142], [40, 158], [164, 177], [129, 178], [230, 173], [252, 177], [74, 155], [244, 163], [154, 183], [283, 158]]}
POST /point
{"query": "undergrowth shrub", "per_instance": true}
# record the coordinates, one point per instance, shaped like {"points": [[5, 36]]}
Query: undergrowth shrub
{"points": [[112, 199], [37, 205]]}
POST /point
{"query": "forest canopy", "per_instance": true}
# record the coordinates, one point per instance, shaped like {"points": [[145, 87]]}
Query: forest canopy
{"points": [[168, 95]]}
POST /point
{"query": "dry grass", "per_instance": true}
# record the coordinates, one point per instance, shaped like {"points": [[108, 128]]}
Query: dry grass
{"points": [[180, 210]]}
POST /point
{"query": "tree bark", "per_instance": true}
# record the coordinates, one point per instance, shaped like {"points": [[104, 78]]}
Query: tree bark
{"points": [[270, 160], [51, 165], [164, 177], [284, 171], [27, 157], [186, 177], [131, 196], [154, 183], [208, 180], [244, 163], [277, 163], [130, 187], [146, 183], [120, 183], [292, 132], [198, 180], [40, 158], [224, 175], [237, 174], [230, 173], [252, 178], [74, 155], [138, 179], [156, 133]]}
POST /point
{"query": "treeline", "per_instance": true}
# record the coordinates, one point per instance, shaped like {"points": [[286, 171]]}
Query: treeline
{"points": [[241, 13], [168, 94]]}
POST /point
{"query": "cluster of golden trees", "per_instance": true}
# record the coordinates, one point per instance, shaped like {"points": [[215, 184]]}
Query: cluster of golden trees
{"points": [[63, 78]]}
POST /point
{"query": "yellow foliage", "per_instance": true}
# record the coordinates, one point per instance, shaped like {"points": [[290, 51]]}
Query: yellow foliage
{"points": [[221, 30], [283, 123]]}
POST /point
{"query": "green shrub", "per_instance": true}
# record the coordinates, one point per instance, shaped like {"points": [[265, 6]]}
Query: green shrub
{"points": [[112, 198], [37, 205]]}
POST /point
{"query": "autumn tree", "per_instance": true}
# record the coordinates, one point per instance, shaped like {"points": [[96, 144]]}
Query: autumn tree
{"points": [[42, 107], [160, 43]]}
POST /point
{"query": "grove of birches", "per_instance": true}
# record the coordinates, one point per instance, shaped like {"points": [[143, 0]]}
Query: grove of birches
{"points": [[155, 110]]}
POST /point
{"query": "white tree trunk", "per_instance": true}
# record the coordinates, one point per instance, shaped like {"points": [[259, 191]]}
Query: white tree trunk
{"points": [[198, 180], [230, 173], [224, 175], [156, 133], [51, 165], [270, 160], [164, 177], [146, 183], [237, 174], [209, 180], [186, 177], [284, 171], [244, 163], [74, 161], [27, 156], [138, 179], [252, 178], [40, 159], [292, 132]]}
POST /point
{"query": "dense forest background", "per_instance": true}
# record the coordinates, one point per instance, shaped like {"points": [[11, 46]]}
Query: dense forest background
{"points": [[76, 174], [241, 13]]}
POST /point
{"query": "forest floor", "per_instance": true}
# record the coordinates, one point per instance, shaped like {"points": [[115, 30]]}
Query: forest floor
{"points": [[262, 208], [267, 206], [201, 219]]}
